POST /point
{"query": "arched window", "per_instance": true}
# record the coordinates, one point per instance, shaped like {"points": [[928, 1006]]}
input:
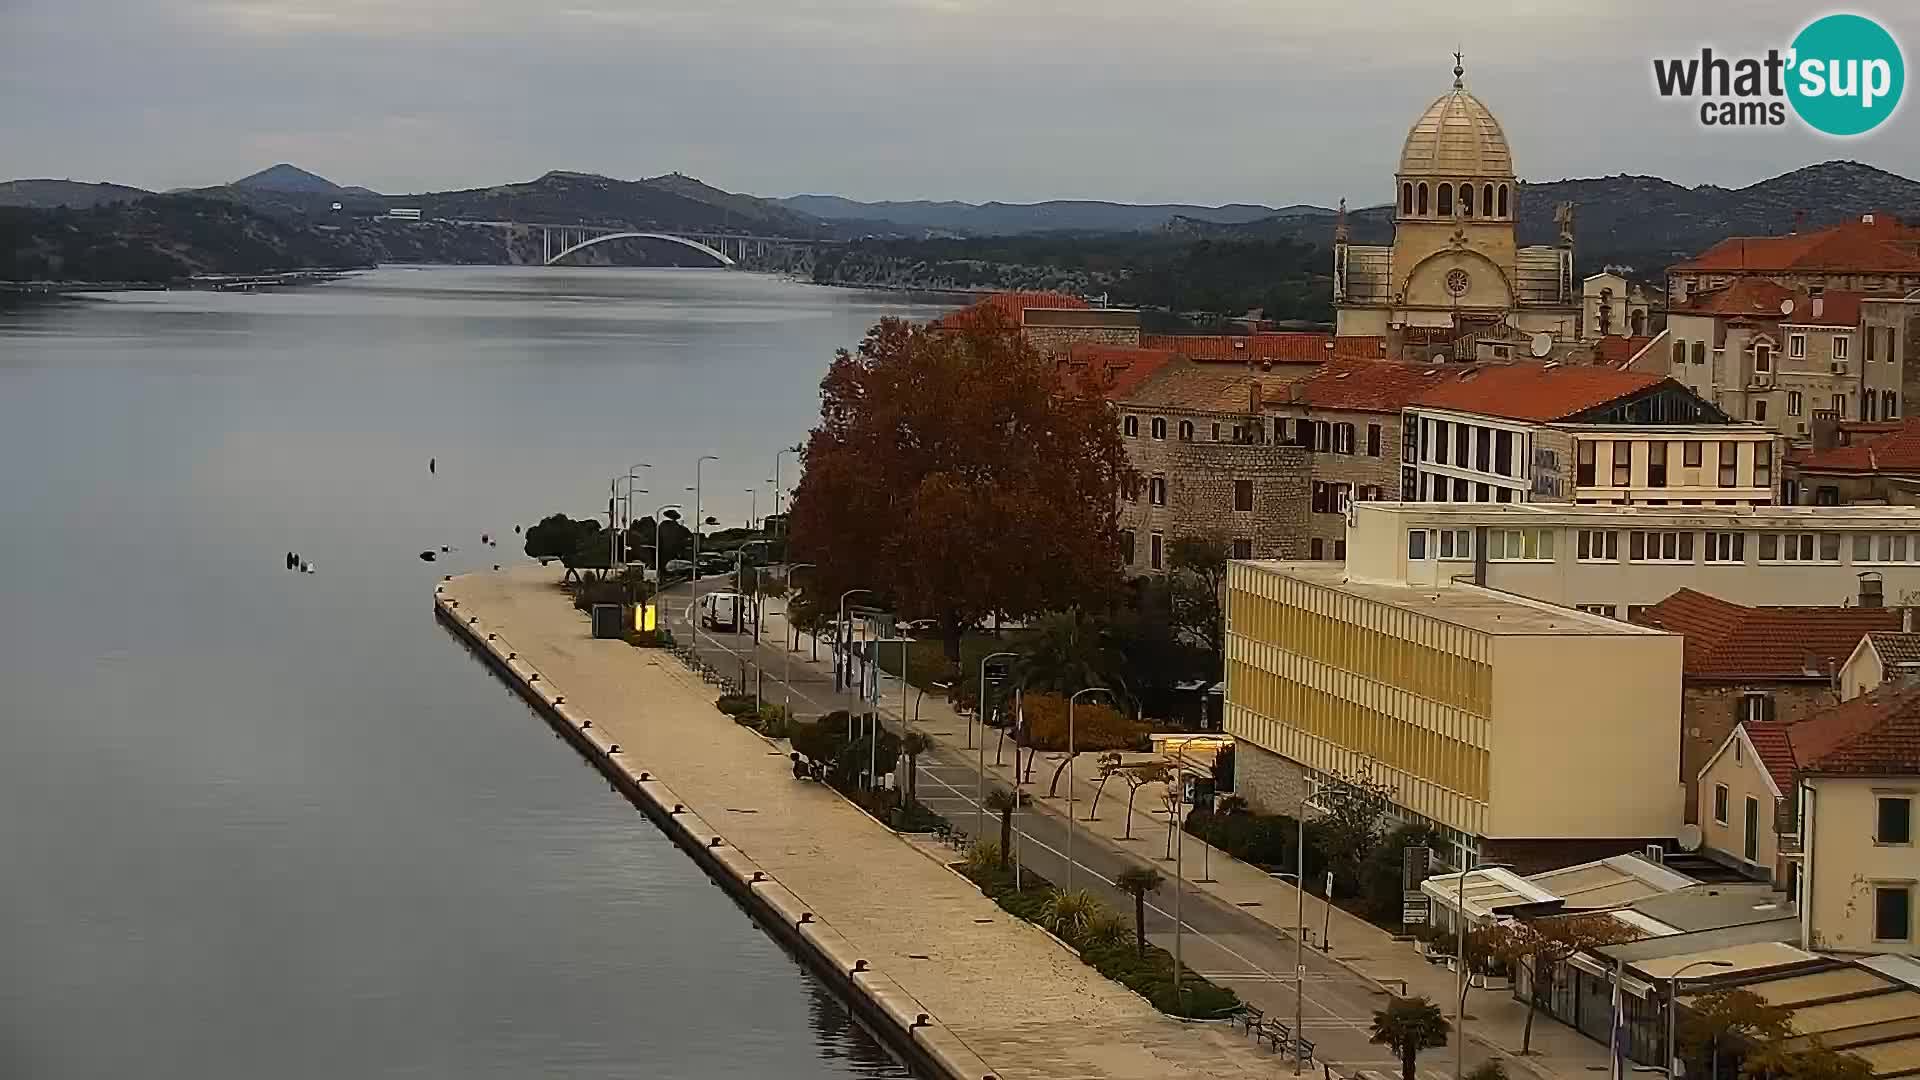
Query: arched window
{"points": [[1159, 427], [1422, 200], [1466, 199], [1131, 426], [1486, 201], [1889, 405], [1503, 200], [1186, 431], [1869, 405], [1446, 200], [1406, 198]]}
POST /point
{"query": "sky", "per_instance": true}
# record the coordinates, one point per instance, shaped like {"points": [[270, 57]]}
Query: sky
{"points": [[1203, 101]]}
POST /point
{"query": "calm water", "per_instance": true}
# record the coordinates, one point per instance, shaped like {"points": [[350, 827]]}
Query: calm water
{"points": [[261, 824]]}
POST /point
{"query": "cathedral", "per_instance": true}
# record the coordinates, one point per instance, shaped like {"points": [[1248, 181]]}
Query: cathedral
{"points": [[1455, 284]]}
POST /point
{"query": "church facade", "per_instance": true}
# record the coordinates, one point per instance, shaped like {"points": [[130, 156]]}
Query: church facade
{"points": [[1455, 284]]}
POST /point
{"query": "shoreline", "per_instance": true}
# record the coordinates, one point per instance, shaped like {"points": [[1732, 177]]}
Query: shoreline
{"points": [[886, 1009]]}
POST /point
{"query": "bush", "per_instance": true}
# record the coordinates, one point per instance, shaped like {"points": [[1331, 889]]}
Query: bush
{"points": [[1260, 839], [650, 639], [1491, 1069], [1095, 726], [735, 704], [1379, 887]]}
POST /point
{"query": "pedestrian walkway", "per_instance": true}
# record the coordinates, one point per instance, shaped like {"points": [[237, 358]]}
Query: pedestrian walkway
{"points": [[1370, 953], [1022, 1002]]}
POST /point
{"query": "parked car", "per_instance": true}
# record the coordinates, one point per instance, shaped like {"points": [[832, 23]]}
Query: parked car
{"points": [[678, 568], [723, 611]]}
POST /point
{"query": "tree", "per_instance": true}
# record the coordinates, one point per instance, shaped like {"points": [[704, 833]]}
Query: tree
{"points": [[1379, 885], [913, 744], [1353, 806], [1541, 946], [1197, 586], [1816, 1061], [1408, 1026], [1137, 882], [951, 474], [1139, 776], [1096, 727], [1069, 651], [1108, 765], [558, 536], [1719, 1018], [1001, 801]]}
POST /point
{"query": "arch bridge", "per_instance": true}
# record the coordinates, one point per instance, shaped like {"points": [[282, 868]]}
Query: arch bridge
{"points": [[558, 242]]}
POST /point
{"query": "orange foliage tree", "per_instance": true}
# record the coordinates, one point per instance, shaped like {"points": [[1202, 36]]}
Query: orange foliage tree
{"points": [[1096, 727], [950, 475]]}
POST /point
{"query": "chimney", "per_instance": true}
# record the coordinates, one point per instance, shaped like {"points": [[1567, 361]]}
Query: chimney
{"points": [[1870, 594]]}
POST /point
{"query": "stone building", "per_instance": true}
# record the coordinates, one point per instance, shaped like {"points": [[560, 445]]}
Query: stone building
{"points": [[1204, 465], [1052, 321], [1754, 665], [1857, 464], [1455, 270], [1875, 255]]}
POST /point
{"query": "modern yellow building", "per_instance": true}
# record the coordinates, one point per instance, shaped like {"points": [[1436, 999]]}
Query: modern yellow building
{"points": [[1529, 733]]}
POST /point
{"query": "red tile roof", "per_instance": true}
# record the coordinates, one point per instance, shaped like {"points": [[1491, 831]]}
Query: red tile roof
{"points": [[1536, 392], [1775, 749], [1615, 350], [1117, 370], [1758, 298], [1725, 640], [1895, 452], [1285, 348], [1363, 385], [1874, 734], [1880, 246], [1010, 306]]}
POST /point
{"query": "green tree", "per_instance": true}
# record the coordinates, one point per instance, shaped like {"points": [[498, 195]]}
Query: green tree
{"points": [[1107, 766], [1137, 882], [1379, 884], [913, 744], [558, 536], [950, 474], [1408, 1026], [1069, 651], [1001, 801], [1353, 809], [1198, 586], [1139, 776], [1721, 1019]]}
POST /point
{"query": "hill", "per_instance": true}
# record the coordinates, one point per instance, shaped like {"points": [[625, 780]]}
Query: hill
{"points": [[1002, 219], [285, 177], [47, 194], [160, 238], [672, 201]]}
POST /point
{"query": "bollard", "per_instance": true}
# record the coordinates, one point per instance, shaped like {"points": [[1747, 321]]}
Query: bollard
{"points": [[858, 966], [677, 809], [585, 724], [559, 699], [806, 916], [757, 877], [921, 1020], [645, 776], [614, 749], [715, 842]]}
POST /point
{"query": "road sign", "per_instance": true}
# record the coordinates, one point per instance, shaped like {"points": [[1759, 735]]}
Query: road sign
{"points": [[1416, 909]]}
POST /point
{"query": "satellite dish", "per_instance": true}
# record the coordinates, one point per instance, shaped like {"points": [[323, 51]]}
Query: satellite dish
{"points": [[1437, 358], [1689, 838], [1786, 306], [1542, 344]]}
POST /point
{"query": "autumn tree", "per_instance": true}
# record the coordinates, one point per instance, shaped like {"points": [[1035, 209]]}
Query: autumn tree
{"points": [[1095, 727], [1716, 1020], [1815, 1061], [951, 475], [1540, 947]]}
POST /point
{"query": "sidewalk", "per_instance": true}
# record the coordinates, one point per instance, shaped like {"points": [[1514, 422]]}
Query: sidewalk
{"points": [[1493, 1018]]}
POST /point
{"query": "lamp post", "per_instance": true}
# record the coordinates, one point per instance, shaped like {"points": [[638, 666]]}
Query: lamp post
{"points": [[1075, 696], [794, 449], [1673, 1003], [659, 582], [980, 774], [753, 506], [693, 579], [1299, 952], [632, 472], [1460, 956], [845, 645], [786, 672]]}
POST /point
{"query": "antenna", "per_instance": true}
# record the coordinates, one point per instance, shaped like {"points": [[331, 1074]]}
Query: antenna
{"points": [[1542, 344]]}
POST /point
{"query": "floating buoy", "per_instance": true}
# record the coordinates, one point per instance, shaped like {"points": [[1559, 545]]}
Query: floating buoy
{"points": [[428, 556]]}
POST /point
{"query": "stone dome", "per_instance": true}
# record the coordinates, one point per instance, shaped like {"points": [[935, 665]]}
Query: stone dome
{"points": [[1457, 137]]}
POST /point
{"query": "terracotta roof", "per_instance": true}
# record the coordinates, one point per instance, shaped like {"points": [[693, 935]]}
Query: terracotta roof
{"points": [[1011, 306], [1758, 298], [1117, 370], [1897, 452], [1536, 392], [1725, 640], [1884, 245], [1897, 648], [1363, 385], [1876, 733], [1775, 748], [1189, 384], [1615, 350]]}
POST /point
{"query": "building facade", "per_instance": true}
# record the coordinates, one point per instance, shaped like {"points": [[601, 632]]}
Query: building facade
{"points": [[1874, 254]]}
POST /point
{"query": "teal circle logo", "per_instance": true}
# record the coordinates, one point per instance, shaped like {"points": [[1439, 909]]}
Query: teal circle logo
{"points": [[1846, 76]]}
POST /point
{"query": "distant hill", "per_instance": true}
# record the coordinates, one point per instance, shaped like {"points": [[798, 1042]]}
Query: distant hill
{"points": [[1002, 219], [161, 238], [51, 193], [290, 178], [586, 198]]}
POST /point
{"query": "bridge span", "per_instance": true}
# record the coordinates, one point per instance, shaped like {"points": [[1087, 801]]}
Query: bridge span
{"points": [[727, 249]]}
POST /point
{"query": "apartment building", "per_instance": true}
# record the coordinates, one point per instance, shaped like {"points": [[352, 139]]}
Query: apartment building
{"points": [[1874, 254], [1529, 433], [1527, 733], [1620, 560], [1853, 464]]}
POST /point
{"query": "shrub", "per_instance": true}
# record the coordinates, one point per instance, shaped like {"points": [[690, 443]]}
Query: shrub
{"points": [[1095, 726], [982, 862], [1105, 929], [735, 704], [1069, 913], [1491, 1069], [650, 639]]}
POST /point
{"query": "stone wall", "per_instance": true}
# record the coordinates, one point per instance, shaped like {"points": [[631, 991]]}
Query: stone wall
{"points": [[1051, 340], [1270, 783], [1710, 711], [1356, 470], [1200, 477]]}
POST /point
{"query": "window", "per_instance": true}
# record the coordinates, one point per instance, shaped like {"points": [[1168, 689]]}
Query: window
{"points": [[1155, 545], [1763, 357], [1598, 545], [1840, 406], [1657, 464], [1679, 353], [1889, 548], [1486, 201], [1503, 453], [1598, 609], [1340, 550], [1242, 548], [1699, 352], [1459, 491], [1503, 200], [1840, 343], [1690, 454], [1157, 491], [1406, 198], [1130, 427], [1892, 912], [1759, 410], [1729, 464], [1126, 546], [1794, 403], [1186, 431], [1159, 427], [1440, 441], [1755, 708], [1646, 546], [1724, 547], [1483, 451], [1279, 431], [1316, 549], [1889, 405], [1796, 346], [1455, 543], [1446, 199], [1462, 447], [1896, 820], [1373, 440], [1243, 494], [1216, 432], [1622, 464], [1322, 435], [1634, 611], [1583, 464], [1799, 547], [1422, 206], [1343, 438], [1750, 842], [1762, 464], [1720, 803], [1416, 544], [1341, 496], [1507, 545]]}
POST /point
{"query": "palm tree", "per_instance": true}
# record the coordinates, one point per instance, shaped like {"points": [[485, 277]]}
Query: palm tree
{"points": [[913, 744], [1408, 1026], [1002, 802], [1071, 650], [1138, 881]]}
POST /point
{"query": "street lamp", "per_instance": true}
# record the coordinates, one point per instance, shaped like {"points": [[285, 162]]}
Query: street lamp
{"points": [[794, 449], [845, 646], [753, 506], [1460, 954], [693, 578], [1075, 696], [1673, 1002], [660, 582], [980, 775], [786, 672]]}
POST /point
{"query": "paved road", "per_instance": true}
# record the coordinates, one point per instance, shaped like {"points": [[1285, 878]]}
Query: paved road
{"points": [[1223, 943]]}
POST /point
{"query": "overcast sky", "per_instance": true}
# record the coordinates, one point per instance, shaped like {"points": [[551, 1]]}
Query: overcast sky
{"points": [[1272, 101]]}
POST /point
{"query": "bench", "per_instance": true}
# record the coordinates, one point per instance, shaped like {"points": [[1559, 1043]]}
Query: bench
{"points": [[1275, 1033], [1305, 1048], [1252, 1016]]}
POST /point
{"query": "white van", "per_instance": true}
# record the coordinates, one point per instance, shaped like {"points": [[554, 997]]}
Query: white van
{"points": [[723, 611]]}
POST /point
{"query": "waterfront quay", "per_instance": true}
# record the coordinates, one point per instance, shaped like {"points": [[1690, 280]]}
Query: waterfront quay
{"points": [[957, 986]]}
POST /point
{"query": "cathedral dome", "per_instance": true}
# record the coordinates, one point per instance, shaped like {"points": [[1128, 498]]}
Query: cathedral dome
{"points": [[1457, 136]]}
